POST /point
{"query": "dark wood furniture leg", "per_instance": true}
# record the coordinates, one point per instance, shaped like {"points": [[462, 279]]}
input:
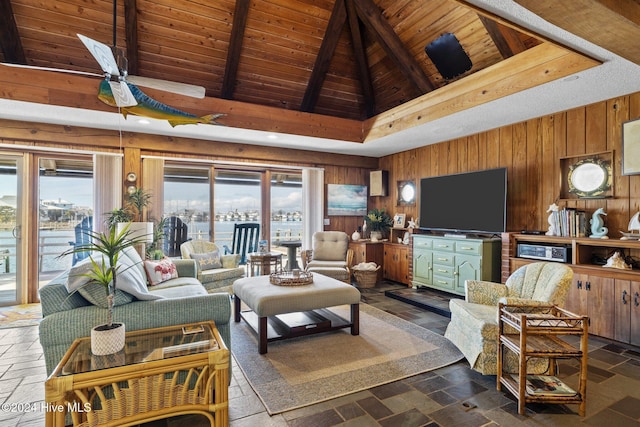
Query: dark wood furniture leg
{"points": [[236, 306], [355, 319], [262, 335]]}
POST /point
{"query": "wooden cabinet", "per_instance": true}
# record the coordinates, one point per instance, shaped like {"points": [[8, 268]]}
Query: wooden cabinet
{"points": [[609, 297], [592, 296], [446, 263], [368, 251], [396, 262], [627, 311]]}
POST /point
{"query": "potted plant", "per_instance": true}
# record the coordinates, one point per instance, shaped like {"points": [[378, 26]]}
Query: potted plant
{"points": [[135, 202], [131, 215], [378, 222], [105, 249]]}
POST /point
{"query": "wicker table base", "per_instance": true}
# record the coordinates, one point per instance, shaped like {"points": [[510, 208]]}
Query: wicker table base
{"points": [[162, 373]]}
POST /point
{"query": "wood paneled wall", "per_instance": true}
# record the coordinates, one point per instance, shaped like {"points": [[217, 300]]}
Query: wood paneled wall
{"points": [[531, 152]]}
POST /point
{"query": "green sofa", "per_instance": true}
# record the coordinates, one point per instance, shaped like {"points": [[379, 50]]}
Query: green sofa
{"points": [[67, 316]]}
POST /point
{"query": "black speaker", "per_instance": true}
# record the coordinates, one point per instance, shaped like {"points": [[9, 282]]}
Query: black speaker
{"points": [[448, 56]]}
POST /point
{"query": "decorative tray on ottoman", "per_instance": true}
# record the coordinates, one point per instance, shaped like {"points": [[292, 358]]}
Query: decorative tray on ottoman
{"points": [[291, 278]]}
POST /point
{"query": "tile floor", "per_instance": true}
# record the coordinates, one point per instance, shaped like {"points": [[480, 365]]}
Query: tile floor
{"points": [[451, 396]]}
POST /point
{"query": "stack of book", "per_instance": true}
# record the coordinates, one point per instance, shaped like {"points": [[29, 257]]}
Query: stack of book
{"points": [[570, 222]]}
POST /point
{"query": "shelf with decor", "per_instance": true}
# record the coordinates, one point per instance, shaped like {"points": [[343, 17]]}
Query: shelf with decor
{"points": [[609, 296]]}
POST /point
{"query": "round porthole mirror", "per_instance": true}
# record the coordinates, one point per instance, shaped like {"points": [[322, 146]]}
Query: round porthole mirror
{"points": [[406, 193], [589, 178]]}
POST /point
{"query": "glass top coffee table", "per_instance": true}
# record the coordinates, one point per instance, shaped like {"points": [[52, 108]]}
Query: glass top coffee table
{"points": [[161, 373]]}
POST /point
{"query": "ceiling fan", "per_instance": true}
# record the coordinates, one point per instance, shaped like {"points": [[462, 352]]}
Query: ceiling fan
{"points": [[114, 66]]}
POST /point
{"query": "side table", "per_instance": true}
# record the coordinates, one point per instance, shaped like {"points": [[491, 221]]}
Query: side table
{"points": [[161, 373], [292, 247], [262, 263], [534, 331]]}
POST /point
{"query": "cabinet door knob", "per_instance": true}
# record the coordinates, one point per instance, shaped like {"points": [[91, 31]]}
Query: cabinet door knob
{"points": [[636, 299], [624, 297], [579, 284], [587, 286]]}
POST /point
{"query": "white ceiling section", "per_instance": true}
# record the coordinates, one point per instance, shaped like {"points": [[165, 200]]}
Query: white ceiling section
{"points": [[615, 77]]}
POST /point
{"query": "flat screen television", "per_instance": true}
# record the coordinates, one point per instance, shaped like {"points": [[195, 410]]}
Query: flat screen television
{"points": [[471, 202]]}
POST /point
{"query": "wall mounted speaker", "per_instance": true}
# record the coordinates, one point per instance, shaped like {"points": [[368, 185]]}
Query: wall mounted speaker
{"points": [[378, 183], [448, 56]]}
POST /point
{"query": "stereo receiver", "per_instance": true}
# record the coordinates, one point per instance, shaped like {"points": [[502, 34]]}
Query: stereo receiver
{"points": [[557, 253]]}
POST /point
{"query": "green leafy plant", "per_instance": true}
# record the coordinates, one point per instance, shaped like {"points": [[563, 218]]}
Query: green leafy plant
{"points": [[104, 271], [135, 202], [378, 220]]}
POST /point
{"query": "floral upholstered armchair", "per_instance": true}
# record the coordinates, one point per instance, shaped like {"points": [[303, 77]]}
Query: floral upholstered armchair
{"points": [[474, 320]]}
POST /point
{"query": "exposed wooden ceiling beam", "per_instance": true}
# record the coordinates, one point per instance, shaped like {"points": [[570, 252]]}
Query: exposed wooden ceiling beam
{"points": [[614, 25], [361, 60], [506, 39], [9, 36], [131, 33], [323, 60], [235, 48], [370, 14]]}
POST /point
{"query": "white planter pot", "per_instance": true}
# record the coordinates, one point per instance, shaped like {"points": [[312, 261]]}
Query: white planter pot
{"points": [[376, 236], [107, 341]]}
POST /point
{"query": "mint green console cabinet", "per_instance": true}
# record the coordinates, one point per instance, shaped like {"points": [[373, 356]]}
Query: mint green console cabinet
{"points": [[444, 263]]}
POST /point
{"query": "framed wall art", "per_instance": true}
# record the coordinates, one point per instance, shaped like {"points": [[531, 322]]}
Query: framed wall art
{"points": [[631, 147], [346, 200]]}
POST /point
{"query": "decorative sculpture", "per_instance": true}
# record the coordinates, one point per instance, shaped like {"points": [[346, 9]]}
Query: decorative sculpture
{"points": [[634, 229], [412, 223], [616, 261], [553, 230], [598, 230]]}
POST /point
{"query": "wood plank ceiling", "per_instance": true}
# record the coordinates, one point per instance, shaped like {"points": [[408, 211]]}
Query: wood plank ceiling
{"points": [[351, 59]]}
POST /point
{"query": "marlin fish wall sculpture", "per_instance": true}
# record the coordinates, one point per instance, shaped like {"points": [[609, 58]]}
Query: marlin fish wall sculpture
{"points": [[149, 107]]}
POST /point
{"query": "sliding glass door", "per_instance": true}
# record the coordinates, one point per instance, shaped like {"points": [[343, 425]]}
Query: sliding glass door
{"points": [[211, 199], [65, 190], [10, 230]]}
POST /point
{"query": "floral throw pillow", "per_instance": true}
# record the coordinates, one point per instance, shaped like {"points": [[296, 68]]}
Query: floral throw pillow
{"points": [[160, 271], [208, 260]]}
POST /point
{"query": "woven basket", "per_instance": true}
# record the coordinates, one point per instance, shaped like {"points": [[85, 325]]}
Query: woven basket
{"points": [[366, 278]]}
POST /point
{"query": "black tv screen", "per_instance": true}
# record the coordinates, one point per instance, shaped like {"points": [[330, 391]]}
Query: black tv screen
{"points": [[472, 202]]}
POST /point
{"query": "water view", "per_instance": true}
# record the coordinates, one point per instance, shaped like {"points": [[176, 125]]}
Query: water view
{"points": [[54, 241]]}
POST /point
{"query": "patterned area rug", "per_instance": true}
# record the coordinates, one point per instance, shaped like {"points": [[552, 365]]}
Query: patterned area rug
{"points": [[16, 316], [307, 370]]}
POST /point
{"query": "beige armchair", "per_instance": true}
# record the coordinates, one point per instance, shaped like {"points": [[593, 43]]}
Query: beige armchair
{"points": [[330, 255], [474, 320]]}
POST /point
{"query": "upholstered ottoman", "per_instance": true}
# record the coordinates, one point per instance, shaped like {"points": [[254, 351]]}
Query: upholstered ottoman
{"points": [[269, 305]]}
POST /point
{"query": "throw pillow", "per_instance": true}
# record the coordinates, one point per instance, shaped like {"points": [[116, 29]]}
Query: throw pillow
{"points": [[208, 260], [230, 260], [131, 283], [160, 271], [93, 292]]}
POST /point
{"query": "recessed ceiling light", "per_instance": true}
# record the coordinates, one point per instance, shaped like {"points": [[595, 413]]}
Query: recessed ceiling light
{"points": [[144, 121], [570, 78], [272, 136]]}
